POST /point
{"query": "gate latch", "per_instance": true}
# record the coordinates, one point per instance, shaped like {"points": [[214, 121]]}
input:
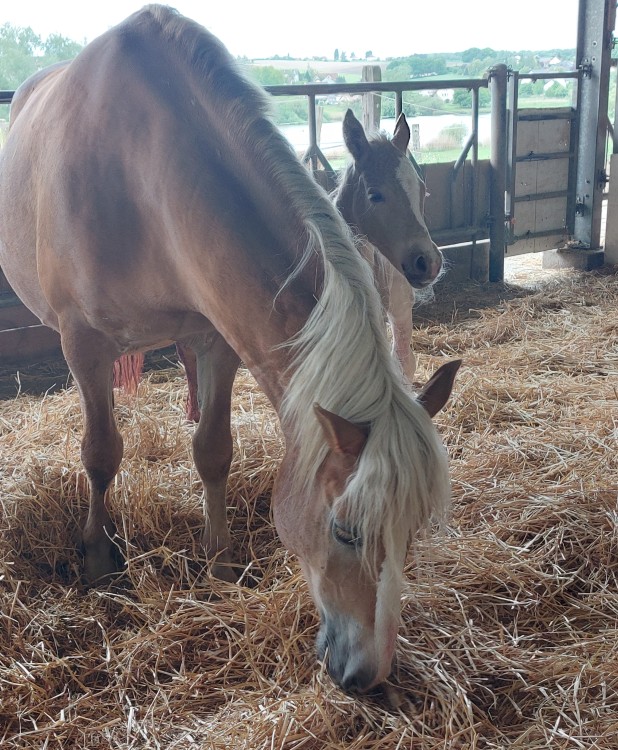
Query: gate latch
{"points": [[585, 68]]}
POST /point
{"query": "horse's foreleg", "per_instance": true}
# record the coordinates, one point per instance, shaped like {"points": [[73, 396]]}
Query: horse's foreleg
{"points": [[91, 360], [187, 356], [398, 299], [212, 446]]}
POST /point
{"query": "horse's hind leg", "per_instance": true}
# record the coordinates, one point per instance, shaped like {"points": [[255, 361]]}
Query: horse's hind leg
{"points": [[212, 445], [91, 360]]}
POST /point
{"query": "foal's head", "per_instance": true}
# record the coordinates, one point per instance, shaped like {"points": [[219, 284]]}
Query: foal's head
{"points": [[354, 564], [383, 197]]}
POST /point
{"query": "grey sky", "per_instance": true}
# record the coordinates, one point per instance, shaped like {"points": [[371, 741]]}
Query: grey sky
{"points": [[260, 29]]}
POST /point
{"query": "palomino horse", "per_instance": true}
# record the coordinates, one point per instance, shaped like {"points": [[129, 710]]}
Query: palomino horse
{"points": [[147, 197], [382, 198]]}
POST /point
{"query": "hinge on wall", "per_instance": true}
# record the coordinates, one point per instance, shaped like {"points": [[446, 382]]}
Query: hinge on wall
{"points": [[603, 178]]}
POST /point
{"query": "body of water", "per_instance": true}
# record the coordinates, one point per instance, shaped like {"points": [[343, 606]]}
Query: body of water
{"points": [[430, 127]]}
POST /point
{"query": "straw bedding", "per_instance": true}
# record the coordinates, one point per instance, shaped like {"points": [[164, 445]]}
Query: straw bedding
{"points": [[509, 635]]}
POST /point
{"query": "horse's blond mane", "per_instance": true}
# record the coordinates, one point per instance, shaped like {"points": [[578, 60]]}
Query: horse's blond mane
{"points": [[340, 358]]}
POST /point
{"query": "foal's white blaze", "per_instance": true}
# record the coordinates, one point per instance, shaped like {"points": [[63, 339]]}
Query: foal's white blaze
{"points": [[411, 184]]}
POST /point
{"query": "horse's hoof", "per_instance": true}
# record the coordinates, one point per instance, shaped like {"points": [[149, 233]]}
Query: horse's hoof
{"points": [[101, 569], [225, 571]]}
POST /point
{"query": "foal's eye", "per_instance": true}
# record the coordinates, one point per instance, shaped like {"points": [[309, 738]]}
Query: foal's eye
{"points": [[375, 196], [349, 537]]}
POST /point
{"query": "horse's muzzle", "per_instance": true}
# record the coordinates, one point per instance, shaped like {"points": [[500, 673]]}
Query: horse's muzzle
{"points": [[422, 268], [345, 665]]}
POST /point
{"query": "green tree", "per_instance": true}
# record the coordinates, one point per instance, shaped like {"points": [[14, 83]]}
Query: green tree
{"points": [[416, 65], [18, 48], [557, 91], [398, 70], [267, 75], [58, 48], [462, 98]]}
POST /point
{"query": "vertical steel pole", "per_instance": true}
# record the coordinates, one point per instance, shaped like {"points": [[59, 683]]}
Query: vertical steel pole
{"points": [[313, 133], [597, 19], [498, 160]]}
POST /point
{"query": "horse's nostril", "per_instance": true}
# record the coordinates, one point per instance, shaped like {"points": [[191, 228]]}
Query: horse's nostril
{"points": [[421, 264]]}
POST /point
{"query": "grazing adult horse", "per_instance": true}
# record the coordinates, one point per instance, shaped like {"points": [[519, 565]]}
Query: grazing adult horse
{"points": [[147, 197]]}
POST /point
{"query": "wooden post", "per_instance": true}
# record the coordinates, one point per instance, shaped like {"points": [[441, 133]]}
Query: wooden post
{"points": [[372, 105]]}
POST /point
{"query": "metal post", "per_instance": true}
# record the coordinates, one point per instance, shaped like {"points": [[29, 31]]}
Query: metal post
{"points": [[498, 78], [597, 19], [313, 134], [512, 109]]}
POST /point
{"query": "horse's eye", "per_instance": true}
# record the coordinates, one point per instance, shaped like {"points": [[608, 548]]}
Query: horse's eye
{"points": [[375, 196], [348, 537]]}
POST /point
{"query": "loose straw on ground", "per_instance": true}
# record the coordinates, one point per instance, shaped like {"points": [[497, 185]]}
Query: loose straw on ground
{"points": [[509, 635]]}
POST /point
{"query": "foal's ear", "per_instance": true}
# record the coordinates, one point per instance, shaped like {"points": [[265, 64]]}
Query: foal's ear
{"points": [[342, 436], [401, 135], [354, 136], [438, 388]]}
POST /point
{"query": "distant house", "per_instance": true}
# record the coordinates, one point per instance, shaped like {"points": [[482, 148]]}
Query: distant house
{"points": [[446, 94], [560, 81]]}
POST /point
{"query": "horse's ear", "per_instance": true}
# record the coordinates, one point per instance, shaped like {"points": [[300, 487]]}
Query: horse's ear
{"points": [[438, 388], [354, 136], [401, 135], [342, 436]]}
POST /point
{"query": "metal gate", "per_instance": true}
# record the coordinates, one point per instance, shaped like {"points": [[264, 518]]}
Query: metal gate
{"points": [[541, 174]]}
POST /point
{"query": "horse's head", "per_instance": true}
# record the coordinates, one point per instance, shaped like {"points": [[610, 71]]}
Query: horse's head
{"points": [[383, 197], [354, 572]]}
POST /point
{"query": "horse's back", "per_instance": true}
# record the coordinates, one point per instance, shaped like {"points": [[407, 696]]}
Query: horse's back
{"points": [[79, 175], [141, 189], [42, 79]]}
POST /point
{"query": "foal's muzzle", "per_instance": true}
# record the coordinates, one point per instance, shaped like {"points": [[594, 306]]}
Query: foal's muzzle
{"points": [[421, 268]]}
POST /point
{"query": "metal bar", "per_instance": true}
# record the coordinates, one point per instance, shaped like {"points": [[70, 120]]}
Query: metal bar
{"points": [[472, 139], [466, 233], [386, 86], [313, 133], [540, 196], [546, 115], [315, 154], [498, 78], [474, 159], [533, 156], [597, 19], [549, 76], [615, 129], [558, 231], [573, 161], [398, 103], [511, 166]]}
